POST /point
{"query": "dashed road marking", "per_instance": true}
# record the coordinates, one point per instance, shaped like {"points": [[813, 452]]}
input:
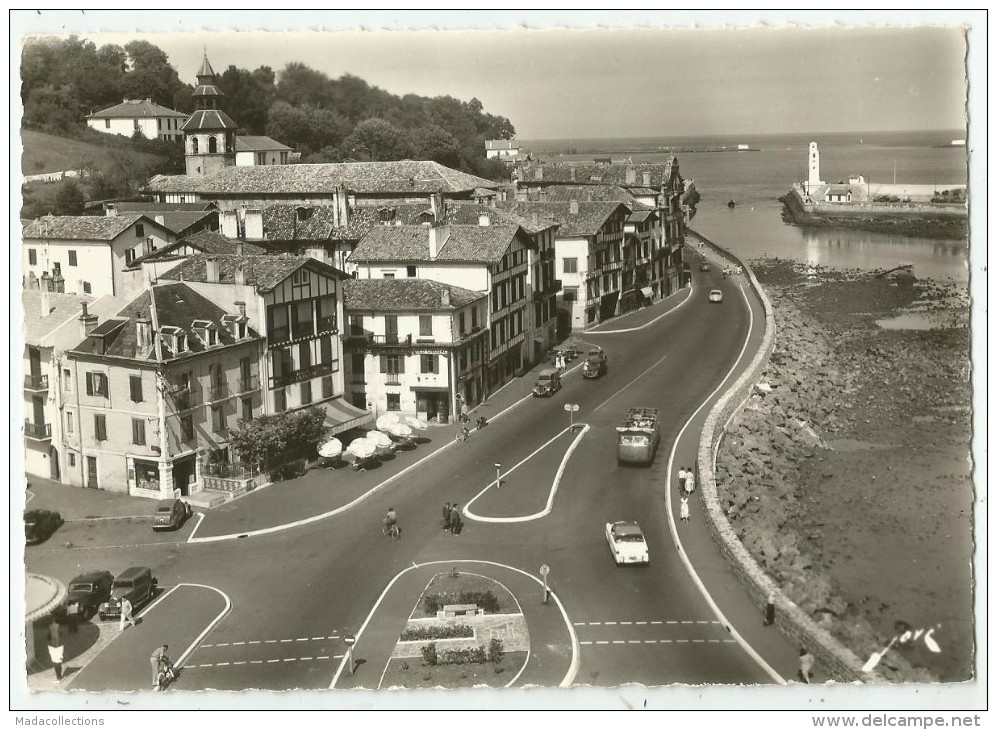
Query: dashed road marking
{"points": [[658, 641], [674, 622]]}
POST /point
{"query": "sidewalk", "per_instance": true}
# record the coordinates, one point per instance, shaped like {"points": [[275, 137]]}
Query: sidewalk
{"points": [[549, 637], [640, 317], [79, 503]]}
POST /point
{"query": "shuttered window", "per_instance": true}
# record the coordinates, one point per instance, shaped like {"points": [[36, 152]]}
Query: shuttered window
{"points": [[429, 363], [97, 384], [135, 385], [100, 427], [138, 432]]}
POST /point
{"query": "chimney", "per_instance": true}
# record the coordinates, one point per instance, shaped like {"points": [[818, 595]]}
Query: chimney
{"points": [[254, 224], [211, 270], [573, 207], [240, 275], [110, 209], [535, 218], [540, 173], [631, 176], [46, 282], [242, 308], [436, 205], [46, 302], [573, 171], [238, 248], [646, 178], [88, 322], [439, 234], [484, 220], [229, 224], [445, 298], [58, 284], [143, 333], [341, 214]]}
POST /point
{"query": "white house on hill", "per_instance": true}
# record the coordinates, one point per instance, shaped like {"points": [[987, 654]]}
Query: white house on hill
{"points": [[139, 115]]}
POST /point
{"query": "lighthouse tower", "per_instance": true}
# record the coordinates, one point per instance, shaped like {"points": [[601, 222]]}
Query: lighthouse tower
{"points": [[209, 134], [813, 167]]}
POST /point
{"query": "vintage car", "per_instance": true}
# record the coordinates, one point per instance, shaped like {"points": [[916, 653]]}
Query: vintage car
{"points": [[136, 584], [87, 592], [626, 542], [595, 365], [39, 524], [716, 296], [548, 383], [170, 514], [704, 266]]}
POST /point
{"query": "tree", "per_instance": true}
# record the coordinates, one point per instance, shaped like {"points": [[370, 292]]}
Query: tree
{"points": [[266, 441], [248, 96], [151, 75], [69, 200], [376, 140], [432, 142]]}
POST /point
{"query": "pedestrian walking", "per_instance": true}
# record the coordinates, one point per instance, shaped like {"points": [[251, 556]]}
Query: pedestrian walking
{"points": [[126, 614], [682, 477], [690, 483], [456, 521], [155, 660], [447, 517], [806, 666], [684, 509], [55, 649]]}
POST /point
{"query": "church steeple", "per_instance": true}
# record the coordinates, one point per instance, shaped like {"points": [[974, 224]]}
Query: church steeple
{"points": [[209, 134]]}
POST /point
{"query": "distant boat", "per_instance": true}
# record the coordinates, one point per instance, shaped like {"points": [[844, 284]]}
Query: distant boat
{"points": [[731, 203]]}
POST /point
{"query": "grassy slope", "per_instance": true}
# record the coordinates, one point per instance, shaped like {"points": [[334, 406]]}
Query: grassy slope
{"points": [[42, 153]]}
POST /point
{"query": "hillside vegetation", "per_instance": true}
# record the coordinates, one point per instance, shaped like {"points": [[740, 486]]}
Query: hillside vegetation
{"points": [[41, 152]]}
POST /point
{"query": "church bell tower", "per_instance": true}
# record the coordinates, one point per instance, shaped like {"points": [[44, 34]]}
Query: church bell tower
{"points": [[209, 134]]}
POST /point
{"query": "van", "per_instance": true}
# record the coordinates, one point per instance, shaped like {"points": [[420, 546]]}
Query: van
{"points": [[136, 584], [548, 383]]}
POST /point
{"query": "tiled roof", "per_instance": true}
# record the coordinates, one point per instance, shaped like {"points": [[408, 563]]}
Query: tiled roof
{"points": [[404, 177], [177, 305], [566, 193], [178, 221], [136, 109], [585, 174], [82, 227], [210, 242], [466, 244], [208, 120], [258, 144], [640, 215], [62, 308], [484, 193], [468, 213], [404, 294], [591, 216], [263, 272], [282, 223]]}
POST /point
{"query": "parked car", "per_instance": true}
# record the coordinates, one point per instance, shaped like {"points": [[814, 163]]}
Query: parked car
{"points": [[87, 592], [716, 296], [548, 383], [626, 542], [136, 584], [596, 364], [39, 524], [704, 266], [171, 514]]}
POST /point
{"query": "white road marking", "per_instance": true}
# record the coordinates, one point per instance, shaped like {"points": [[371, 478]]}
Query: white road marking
{"points": [[648, 324], [661, 360], [658, 641]]}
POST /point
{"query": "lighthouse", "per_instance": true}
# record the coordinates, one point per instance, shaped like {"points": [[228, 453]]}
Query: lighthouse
{"points": [[813, 168]]}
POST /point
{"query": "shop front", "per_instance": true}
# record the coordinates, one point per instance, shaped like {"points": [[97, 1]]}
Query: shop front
{"points": [[433, 404]]}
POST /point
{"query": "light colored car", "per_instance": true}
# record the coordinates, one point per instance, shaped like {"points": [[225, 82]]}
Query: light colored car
{"points": [[626, 542], [716, 296], [595, 365]]}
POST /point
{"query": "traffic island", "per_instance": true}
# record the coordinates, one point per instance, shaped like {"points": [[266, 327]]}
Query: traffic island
{"points": [[465, 630]]}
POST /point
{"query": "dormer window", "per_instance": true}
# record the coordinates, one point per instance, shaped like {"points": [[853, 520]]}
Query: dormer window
{"points": [[174, 338], [205, 331], [236, 324]]}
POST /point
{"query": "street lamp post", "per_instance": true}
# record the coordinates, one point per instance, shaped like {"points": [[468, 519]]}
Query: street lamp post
{"points": [[544, 572], [350, 640], [498, 474]]}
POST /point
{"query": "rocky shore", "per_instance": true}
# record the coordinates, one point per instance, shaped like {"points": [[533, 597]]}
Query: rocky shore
{"points": [[848, 476], [926, 226]]}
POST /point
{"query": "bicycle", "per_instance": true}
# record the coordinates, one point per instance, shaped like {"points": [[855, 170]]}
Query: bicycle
{"points": [[392, 530], [463, 435]]}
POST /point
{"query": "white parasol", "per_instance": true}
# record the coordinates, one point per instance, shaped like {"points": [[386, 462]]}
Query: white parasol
{"points": [[385, 422], [400, 430], [331, 448], [416, 423], [361, 448], [379, 439]]}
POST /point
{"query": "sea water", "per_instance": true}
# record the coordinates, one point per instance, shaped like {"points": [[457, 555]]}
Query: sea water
{"points": [[755, 180]]}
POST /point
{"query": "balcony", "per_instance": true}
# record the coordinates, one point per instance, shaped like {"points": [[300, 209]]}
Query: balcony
{"points": [[250, 384], [184, 399], [299, 375], [218, 391], [36, 383], [392, 379], [303, 329], [392, 340], [280, 334], [327, 324], [38, 431]]}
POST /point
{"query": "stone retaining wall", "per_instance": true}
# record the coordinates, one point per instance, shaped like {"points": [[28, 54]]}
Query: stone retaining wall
{"points": [[837, 660]]}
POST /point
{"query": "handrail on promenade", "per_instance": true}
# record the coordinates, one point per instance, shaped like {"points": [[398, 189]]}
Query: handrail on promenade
{"points": [[790, 619]]}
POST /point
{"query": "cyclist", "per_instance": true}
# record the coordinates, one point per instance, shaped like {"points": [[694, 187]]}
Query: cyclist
{"points": [[391, 523], [464, 434]]}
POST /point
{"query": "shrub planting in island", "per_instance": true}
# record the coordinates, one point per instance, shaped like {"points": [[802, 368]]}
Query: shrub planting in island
{"points": [[421, 633], [482, 599], [471, 655]]}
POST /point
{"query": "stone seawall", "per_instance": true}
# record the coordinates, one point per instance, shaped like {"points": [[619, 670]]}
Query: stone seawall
{"points": [[836, 659]]}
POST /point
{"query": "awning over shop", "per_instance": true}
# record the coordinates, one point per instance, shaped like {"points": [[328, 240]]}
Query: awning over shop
{"points": [[341, 416], [647, 292]]}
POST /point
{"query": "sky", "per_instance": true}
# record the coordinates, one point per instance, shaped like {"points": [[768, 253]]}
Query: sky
{"points": [[600, 82]]}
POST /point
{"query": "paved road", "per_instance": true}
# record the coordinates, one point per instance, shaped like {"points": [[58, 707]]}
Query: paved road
{"points": [[296, 593]]}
